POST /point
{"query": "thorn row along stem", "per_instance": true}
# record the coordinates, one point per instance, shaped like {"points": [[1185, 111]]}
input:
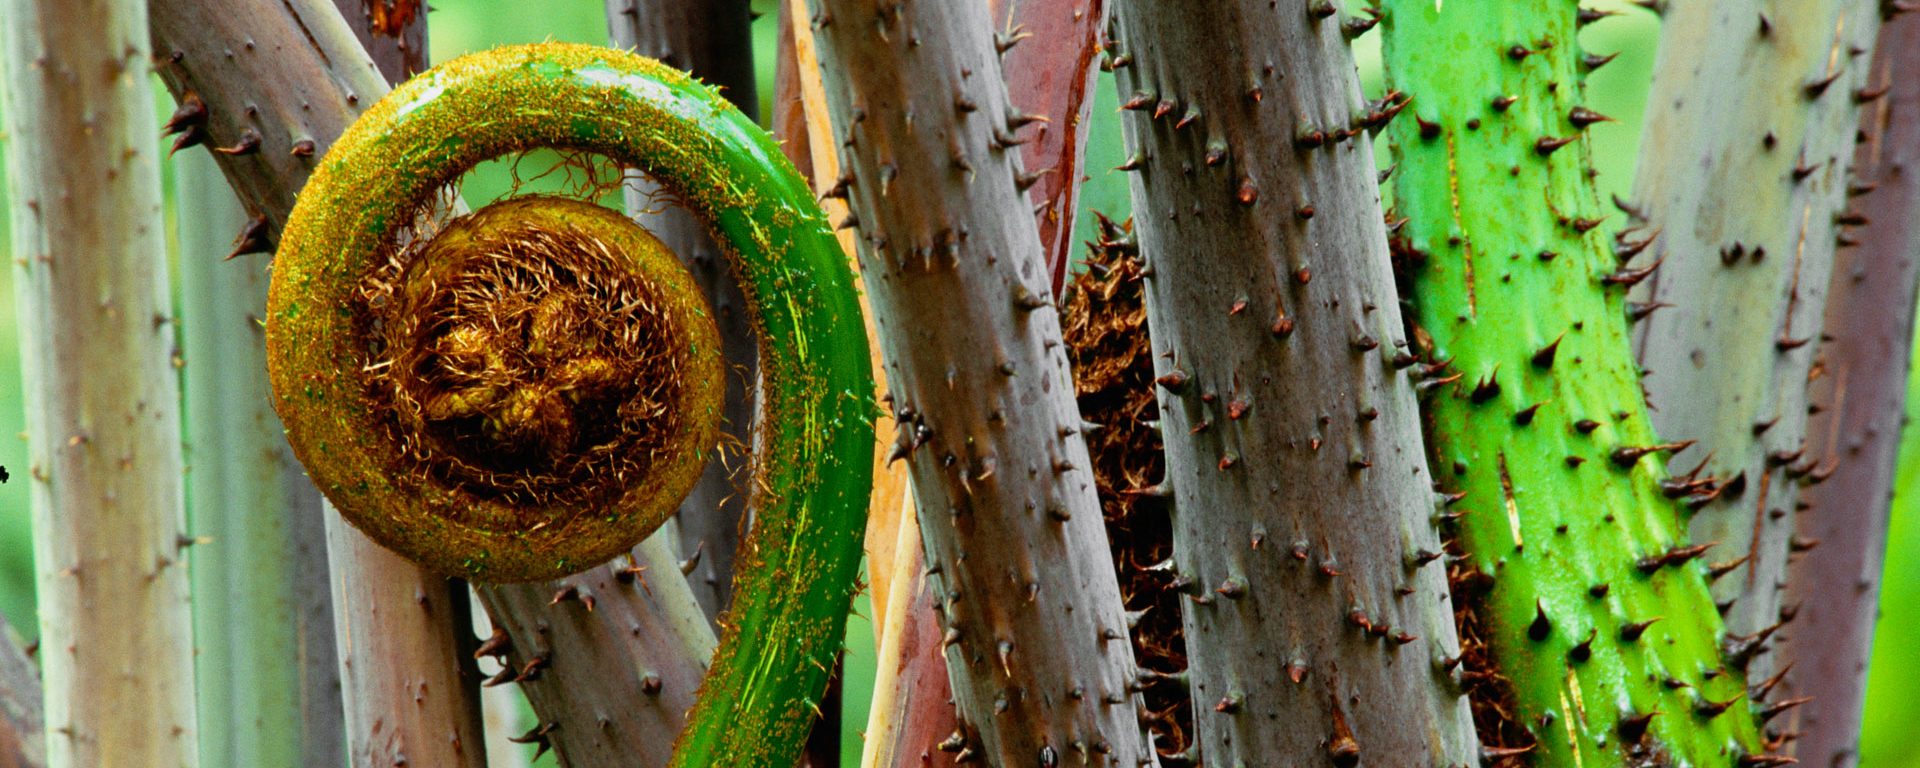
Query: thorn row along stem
{"points": [[1568, 543]]}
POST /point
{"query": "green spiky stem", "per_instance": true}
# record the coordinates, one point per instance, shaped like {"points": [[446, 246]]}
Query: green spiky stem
{"points": [[1544, 429], [800, 561]]}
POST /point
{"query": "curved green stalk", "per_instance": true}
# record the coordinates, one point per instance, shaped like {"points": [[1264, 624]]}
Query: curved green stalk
{"points": [[1539, 419], [800, 561]]}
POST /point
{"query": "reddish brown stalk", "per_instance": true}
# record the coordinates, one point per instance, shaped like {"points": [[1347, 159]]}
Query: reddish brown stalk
{"points": [[1050, 81], [1859, 388]]}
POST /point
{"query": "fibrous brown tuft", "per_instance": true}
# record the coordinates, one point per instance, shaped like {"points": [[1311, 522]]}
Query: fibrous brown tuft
{"points": [[1503, 738], [519, 355], [1105, 328]]}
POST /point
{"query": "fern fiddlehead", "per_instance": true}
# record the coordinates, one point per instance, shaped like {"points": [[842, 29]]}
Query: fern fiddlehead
{"points": [[529, 392]]}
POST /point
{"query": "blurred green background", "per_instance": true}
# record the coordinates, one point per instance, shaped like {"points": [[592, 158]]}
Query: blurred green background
{"points": [[461, 26]]}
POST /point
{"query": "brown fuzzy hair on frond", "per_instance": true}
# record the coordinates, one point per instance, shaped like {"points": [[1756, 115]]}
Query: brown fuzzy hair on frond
{"points": [[520, 359], [1105, 328]]}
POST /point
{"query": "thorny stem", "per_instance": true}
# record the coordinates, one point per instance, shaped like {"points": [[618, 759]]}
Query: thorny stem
{"points": [[1573, 535]]}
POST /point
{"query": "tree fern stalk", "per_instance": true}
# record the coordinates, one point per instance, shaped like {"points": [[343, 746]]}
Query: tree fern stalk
{"points": [[322, 76], [1860, 390], [263, 608], [977, 376], [102, 398], [712, 41], [406, 615], [1749, 134], [1304, 513], [406, 681], [305, 78], [1597, 609], [627, 637]]}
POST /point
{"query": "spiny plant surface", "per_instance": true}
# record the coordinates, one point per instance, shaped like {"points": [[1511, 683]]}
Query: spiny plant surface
{"points": [[978, 382], [1595, 608], [1303, 535], [1759, 101]]}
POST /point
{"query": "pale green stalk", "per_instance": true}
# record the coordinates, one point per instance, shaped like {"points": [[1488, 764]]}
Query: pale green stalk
{"points": [[268, 676]]}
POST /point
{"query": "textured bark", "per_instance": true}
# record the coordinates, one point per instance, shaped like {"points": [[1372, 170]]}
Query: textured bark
{"points": [[268, 673], [292, 72], [711, 39], [397, 639], [911, 706], [1749, 130], [953, 265], [416, 653], [1053, 77], [1303, 504], [408, 691], [101, 393], [23, 737], [610, 658], [1860, 388]]}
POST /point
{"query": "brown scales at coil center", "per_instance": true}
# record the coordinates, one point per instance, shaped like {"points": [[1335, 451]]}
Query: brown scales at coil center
{"points": [[520, 359]]}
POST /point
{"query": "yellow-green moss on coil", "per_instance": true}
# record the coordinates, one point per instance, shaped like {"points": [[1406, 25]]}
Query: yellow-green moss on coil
{"points": [[813, 446]]}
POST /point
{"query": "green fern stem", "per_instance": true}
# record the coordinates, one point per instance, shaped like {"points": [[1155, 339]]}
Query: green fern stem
{"points": [[798, 566], [1567, 510]]}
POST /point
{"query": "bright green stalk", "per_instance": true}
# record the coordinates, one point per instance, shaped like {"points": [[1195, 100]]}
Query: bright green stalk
{"points": [[1544, 429], [799, 563], [268, 677]]}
